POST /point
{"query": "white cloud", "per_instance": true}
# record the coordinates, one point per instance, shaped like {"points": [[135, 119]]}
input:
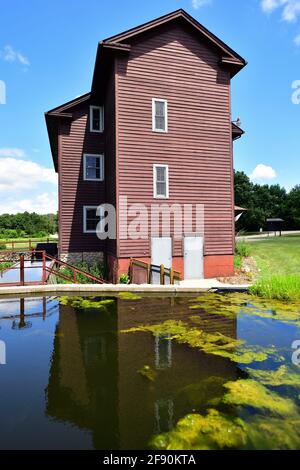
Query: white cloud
{"points": [[199, 3], [297, 40], [290, 8], [263, 172], [18, 175], [45, 203], [12, 152], [9, 54]]}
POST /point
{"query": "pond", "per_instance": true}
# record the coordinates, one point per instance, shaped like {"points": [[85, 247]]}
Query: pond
{"points": [[211, 372]]}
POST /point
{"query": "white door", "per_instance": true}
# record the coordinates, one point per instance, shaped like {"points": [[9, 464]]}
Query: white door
{"points": [[161, 251], [193, 258]]}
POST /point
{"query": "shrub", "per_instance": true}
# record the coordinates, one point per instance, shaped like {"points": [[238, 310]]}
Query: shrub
{"points": [[5, 265], [243, 249], [96, 270], [124, 279], [2, 247]]}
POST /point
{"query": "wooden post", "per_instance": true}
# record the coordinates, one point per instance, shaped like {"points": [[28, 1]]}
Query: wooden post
{"points": [[130, 270], [75, 277], [22, 274], [162, 275], [29, 243], [149, 274], [44, 268], [22, 323], [171, 276]]}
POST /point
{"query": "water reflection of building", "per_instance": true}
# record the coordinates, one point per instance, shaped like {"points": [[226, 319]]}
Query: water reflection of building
{"points": [[94, 381]]}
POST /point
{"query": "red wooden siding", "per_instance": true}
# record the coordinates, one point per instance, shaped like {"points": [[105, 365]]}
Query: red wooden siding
{"points": [[74, 193], [110, 152], [173, 65]]}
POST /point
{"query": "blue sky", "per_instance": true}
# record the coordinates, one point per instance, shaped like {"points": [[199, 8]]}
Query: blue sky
{"points": [[47, 53]]}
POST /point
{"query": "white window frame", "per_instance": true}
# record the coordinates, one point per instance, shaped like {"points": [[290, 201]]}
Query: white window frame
{"points": [[101, 130], [165, 131], [102, 166], [85, 208], [157, 196]]}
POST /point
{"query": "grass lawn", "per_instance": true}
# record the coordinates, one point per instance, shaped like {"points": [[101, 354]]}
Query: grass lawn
{"points": [[277, 256], [23, 243]]}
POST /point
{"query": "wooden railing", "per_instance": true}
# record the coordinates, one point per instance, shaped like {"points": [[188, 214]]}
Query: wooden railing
{"points": [[144, 273], [27, 244], [22, 263], [75, 271]]}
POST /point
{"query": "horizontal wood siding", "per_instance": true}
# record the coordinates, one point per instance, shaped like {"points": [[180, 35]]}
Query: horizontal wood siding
{"points": [[110, 151], [74, 192], [173, 65]]}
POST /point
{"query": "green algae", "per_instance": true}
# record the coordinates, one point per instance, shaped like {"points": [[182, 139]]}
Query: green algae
{"points": [[217, 431], [208, 392], [196, 432], [252, 394], [86, 303], [274, 434], [129, 296], [276, 378], [232, 304], [148, 373], [215, 344]]}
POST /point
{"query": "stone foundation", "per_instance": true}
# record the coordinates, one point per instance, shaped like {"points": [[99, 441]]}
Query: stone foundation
{"points": [[90, 258]]}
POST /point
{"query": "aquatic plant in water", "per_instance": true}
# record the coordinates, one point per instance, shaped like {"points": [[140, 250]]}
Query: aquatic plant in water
{"points": [[230, 305], [211, 343], [148, 373], [274, 433], [86, 302], [129, 296], [255, 395], [217, 431], [207, 393], [196, 432], [276, 378]]}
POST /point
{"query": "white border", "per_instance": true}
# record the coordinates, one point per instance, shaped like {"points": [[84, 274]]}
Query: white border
{"points": [[165, 131]]}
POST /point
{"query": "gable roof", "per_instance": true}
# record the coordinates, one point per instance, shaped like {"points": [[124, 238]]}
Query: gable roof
{"points": [[52, 119], [178, 14], [228, 56]]}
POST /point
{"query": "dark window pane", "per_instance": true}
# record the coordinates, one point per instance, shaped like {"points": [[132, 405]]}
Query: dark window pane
{"points": [[92, 224], [161, 189], [159, 108], [92, 168], [91, 161], [160, 123], [92, 219], [91, 173], [161, 174], [96, 117]]}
